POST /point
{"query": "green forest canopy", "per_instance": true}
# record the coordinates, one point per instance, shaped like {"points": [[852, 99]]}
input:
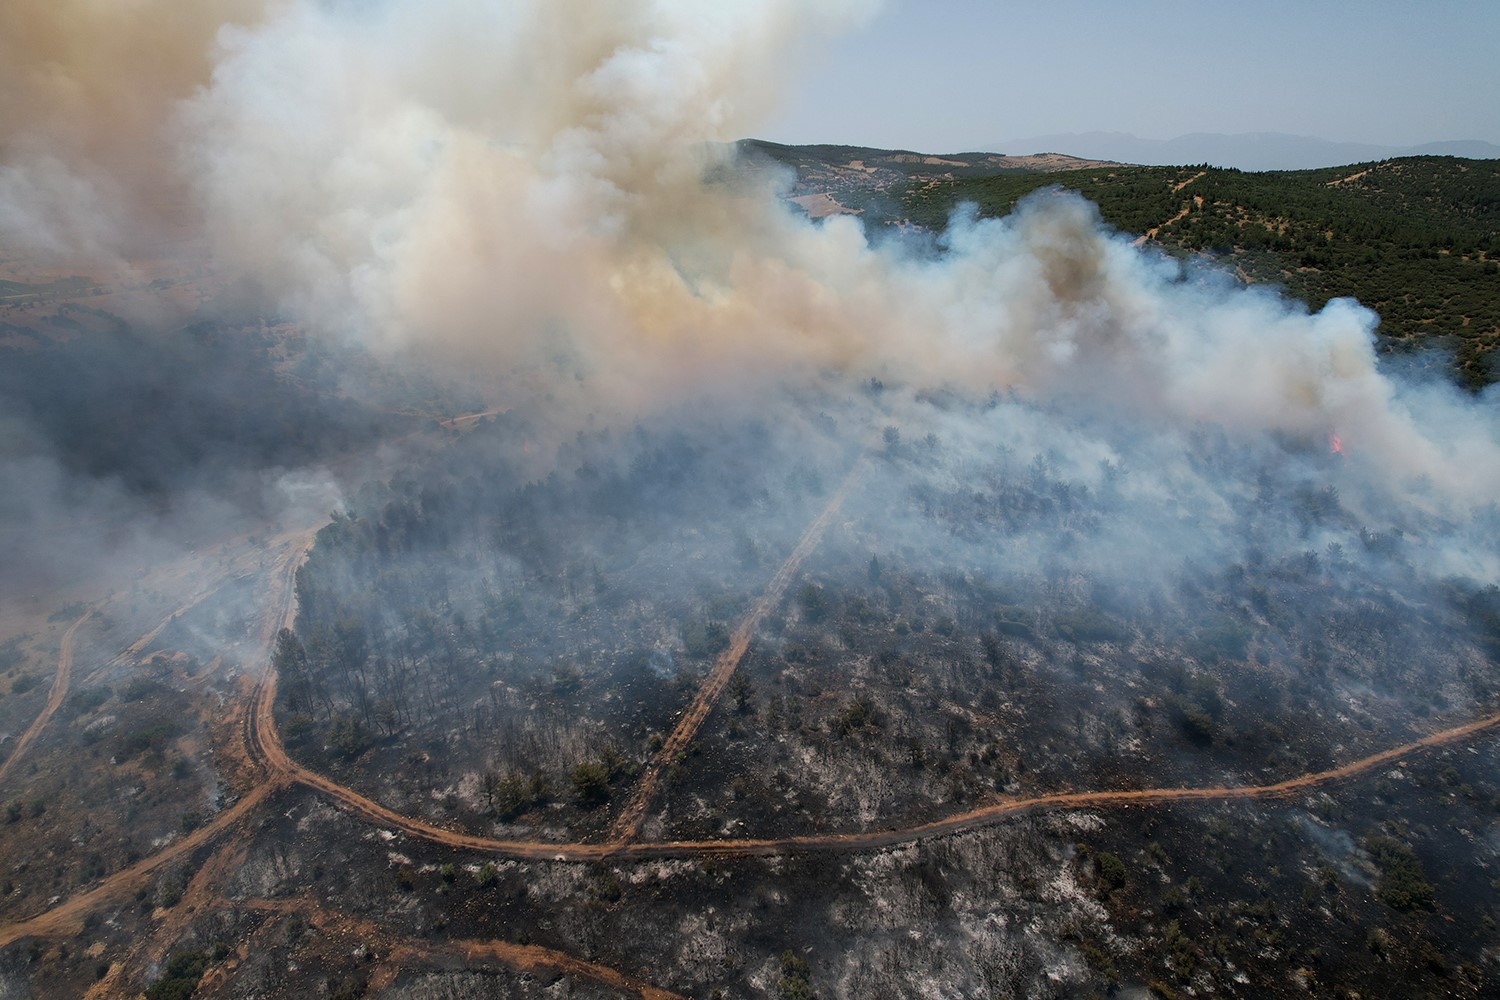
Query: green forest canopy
{"points": [[1416, 239]]}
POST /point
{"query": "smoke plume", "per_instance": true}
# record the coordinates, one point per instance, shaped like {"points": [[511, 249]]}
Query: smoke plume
{"points": [[547, 189]]}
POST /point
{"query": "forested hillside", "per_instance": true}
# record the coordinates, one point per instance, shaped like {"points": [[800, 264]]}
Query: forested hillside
{"points": [[1416, 239]]}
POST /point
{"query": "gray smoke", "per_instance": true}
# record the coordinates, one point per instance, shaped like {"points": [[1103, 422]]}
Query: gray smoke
{"points": [[540, 191]]}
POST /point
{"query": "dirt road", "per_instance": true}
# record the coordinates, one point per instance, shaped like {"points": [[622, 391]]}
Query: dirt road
{"points": [[987, 815], [60, 683], [1150, 234], [265, 745], [135, 648], [627, 824], [523, 957], [455, 423], [67, 917]]}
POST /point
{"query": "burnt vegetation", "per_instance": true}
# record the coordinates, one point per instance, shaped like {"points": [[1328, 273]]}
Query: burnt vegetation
{"points": [[1015, 598], [982, 620], [522, 644]]}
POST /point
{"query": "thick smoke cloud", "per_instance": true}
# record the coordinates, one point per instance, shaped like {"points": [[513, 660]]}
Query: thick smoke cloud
{"points": [[546, 188], [519, 182], [88, 97], [526, 186]]}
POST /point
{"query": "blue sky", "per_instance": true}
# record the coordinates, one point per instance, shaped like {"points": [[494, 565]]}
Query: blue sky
{"points": [[945, 75]]}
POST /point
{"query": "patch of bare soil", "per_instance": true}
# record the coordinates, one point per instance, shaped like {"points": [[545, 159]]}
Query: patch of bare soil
{"points": [[820, 206]]}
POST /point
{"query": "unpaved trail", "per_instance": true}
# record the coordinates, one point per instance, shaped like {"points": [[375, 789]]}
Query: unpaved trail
{"points": [[1177, 188], [202, 893], [1336, 182], [67, 917], [61, 680], [1006, 808], [627, 824], [135, 648], [531, 958], [973, 819], [454, 423], [298, 548], [523, 957], [264, 744], [1150, 234]]}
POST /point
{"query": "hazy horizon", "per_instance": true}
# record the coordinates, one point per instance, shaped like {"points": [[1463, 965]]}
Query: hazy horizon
{"points": [[962, 75]]}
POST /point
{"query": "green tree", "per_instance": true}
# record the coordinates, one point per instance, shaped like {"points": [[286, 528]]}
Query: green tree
{"points": [[705, 639], [1403, 883], [289, 660], [1111, 871], [591, 784], [796, 975], [740, 689], [814, 603], [507, 796]]}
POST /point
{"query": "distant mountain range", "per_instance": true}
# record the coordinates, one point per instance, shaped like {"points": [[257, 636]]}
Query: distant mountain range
{"points": [[1245, 151]]}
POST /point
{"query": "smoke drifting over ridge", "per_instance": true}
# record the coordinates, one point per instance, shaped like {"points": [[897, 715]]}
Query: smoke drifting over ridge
{"points": [[541, 188]]}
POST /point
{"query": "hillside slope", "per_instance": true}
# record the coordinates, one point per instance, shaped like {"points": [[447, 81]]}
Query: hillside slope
{"points": [[1416, 239]]}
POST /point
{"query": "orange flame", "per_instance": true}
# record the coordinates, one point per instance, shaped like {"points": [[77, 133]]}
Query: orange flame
{"points": [[1335, 445]]}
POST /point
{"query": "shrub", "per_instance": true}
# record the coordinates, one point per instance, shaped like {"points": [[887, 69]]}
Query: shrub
{"points": [[180, 979], [814, 603], [154, 737], [795, 975], [591, 783], [1088, 625], [1197, 725], [1111, 871], [705, 639], [348, 736], [1403, 883]]}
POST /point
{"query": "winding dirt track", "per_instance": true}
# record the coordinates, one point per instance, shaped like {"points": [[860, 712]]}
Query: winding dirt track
{"points": [[454, 423], [627, 824], [524, 957], [67, 917], [262, 741], [974, 819], [265, 744], [135, 648], [1150, 234], [530, 958], [63, 677], [60, 682]]}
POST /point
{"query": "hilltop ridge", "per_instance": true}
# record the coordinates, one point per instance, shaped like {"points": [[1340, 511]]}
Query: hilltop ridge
{"points": [[1243, 150], [1417, 239]]}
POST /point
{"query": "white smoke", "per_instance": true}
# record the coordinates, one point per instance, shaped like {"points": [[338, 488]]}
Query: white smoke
{"points": [[535, 186]]}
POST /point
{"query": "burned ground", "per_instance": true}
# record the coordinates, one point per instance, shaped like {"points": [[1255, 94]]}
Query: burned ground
{"points": [[508, 665]]}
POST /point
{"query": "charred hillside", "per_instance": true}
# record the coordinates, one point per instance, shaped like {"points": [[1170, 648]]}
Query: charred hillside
{"points": [[997, 610]]}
